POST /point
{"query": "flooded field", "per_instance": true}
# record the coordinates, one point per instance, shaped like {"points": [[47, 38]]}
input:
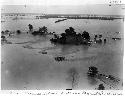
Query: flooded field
{"points": [[24, 66]]}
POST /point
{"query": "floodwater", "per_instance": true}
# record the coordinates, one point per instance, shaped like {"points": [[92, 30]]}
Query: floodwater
{"points": [[25, 67]]}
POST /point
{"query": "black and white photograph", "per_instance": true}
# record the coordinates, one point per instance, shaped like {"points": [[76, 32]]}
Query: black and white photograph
{"points": [[62, 47]]}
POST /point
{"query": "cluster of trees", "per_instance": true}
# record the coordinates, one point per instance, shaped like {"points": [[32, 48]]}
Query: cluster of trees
{"points": [[42, 30], [5, 32], [71, 37]]}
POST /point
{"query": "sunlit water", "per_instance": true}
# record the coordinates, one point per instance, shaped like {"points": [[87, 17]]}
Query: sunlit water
{"points": [[25, 67]]}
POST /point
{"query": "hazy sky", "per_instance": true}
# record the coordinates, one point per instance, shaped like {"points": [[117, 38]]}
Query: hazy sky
{"points": [[65, 9]]}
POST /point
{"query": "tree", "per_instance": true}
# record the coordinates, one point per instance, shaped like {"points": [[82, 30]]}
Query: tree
{"points": [[6, 31], [67, 31], [18, 32], [63, 34], [85, 35], [71, 29], [101, 87], [2, 32], [30, 27], [93, 71], [43, 30], [56, 36], [3, 38]]}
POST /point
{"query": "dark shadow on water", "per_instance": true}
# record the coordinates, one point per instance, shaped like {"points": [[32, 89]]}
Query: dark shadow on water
{"points": [[85, 47], [73, 77], [70, 49], [81, 59], [92, 74]]}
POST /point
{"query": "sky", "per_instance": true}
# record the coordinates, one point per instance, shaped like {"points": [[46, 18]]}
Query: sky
{"points": [[63, 6], [104, 9]]}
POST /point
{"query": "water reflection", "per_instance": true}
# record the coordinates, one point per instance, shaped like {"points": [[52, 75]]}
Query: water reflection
{"points": [[92, 80], [73, 77]]}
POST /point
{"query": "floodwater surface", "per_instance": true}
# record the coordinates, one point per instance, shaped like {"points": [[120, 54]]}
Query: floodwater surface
{"points": [[25, 67]]}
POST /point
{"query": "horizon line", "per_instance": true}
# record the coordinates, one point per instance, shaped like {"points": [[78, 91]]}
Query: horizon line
{"points": [[61, 14]]}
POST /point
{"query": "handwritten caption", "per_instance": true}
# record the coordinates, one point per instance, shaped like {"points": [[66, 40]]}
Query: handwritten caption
{"points": [[63, 93]]}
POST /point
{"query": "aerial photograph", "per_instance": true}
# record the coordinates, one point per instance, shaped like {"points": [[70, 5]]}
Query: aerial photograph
{"points": [[62, 47]]}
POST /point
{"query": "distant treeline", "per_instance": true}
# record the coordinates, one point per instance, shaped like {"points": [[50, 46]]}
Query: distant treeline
{"points": [[101, 17], [68, 16]]}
